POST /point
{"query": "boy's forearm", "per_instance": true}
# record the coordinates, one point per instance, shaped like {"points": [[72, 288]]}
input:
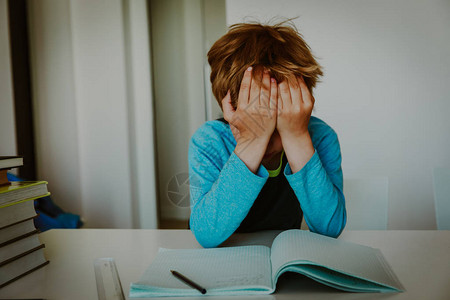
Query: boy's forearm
{"points": [[299, 151], [320, 196], [252, 152], [217, 214]]}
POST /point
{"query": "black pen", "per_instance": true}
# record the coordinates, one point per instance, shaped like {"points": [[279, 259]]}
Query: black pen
{"points": [[188, 281]]}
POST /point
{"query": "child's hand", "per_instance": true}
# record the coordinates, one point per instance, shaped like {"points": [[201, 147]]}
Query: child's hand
{"points": [[254, 120], [295, 104]]}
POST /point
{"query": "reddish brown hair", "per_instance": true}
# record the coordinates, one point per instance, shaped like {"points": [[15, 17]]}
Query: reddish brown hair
{"points": [[280, 49]]}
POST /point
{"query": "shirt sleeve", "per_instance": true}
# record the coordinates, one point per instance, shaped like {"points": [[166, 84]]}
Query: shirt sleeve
{"points": [[319, 188], [221, 196]]}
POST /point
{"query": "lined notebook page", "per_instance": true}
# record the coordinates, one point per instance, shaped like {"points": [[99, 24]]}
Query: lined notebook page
{"points": [[214, 269], [358, 260]]}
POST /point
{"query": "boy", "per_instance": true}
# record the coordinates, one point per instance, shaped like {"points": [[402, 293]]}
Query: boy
{"points": [[267, 163]]}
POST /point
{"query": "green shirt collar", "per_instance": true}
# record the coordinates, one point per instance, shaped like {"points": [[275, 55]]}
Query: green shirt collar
{"points": [[274, 173]]}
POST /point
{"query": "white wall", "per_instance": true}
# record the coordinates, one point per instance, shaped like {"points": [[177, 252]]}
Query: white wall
{"points": [[7, 126], [386, 89], [214, 27], [178, 51], [54, 101], [93, 109]]}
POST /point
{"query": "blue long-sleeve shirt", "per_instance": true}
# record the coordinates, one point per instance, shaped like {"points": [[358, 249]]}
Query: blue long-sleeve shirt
{"points": [[223, 189]]}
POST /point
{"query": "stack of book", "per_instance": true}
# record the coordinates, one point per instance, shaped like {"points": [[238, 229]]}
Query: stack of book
{"points": [[21, 251]]}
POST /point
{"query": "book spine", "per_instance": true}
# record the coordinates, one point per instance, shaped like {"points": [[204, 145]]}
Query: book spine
{"points": [[19, 237], [15, 223], [24, 274], [25, 200], [21, 255]]}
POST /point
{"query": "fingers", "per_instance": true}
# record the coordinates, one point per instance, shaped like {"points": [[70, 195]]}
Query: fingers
{"points": [[227, 108], [273, 102], [244, 90], [308, 99], [255, 88], [285, 94], [265, 90], [296, 93]]}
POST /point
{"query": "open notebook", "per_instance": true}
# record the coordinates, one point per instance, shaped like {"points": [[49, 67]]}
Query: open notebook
{"points": [[248, 270]]}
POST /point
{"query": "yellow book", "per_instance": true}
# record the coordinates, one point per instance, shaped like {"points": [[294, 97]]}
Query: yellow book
{"points": [[22, 190]]}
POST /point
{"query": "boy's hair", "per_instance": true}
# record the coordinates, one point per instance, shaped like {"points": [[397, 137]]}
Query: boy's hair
{"points": [[280, 49]]}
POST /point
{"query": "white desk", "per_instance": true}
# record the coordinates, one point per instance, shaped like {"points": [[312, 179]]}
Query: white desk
{"points": [[421, 260]]}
